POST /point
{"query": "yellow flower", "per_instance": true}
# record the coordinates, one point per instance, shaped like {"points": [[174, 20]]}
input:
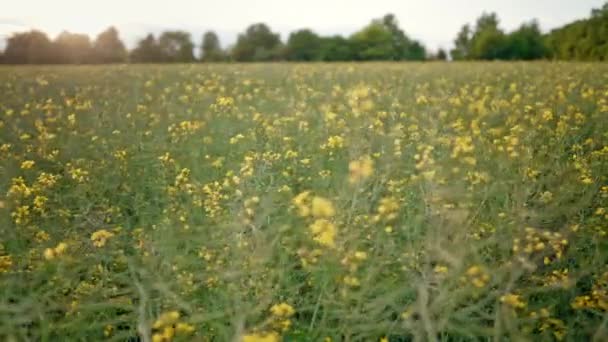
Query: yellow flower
{"points": [[6, 262], [184, 328], [100, 237], [322, 207], [261, 337], [360, 169], [513, 300], [167, 318], [282, 310], [324, 232], [300, 202], [28, 164], [51, 253]]}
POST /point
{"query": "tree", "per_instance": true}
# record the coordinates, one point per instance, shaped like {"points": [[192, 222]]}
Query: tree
{"points": [[176, 46], [585, 39], [73, 48], [526, 43], [147, 51], [108, 48], [382, 39], [303, 45], [462, 44], [441, 55], [211, 51], [257, 43], [336, 48], [404, 47], [488, 41], [32, 47], [374, 42]]}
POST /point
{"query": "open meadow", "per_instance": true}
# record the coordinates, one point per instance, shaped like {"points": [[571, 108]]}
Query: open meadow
{"points": [[304, 202]]}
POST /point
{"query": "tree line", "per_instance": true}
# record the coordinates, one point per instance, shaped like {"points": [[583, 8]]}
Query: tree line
{"points": [[585, 39], [381, 39]]}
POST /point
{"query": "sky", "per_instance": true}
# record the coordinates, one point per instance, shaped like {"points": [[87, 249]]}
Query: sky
{"points": [[434, 22]]}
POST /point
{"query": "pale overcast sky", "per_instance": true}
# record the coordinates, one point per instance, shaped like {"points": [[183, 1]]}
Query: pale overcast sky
{"points": [[434, 22]]}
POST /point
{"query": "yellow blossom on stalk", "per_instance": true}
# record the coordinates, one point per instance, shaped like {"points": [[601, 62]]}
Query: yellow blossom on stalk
{"points": [[52, 253], [28, 164], [324, 232], [300, 201], [184, 328], [167, 318], [333, 142], [100, 237], [261, 337], [360, 169], [282, 310], [513, 300], [6, 262], [351, 281], [322, 207]]}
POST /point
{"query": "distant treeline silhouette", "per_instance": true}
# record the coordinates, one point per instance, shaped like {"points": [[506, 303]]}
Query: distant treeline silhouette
{"points": [[382, 39]]}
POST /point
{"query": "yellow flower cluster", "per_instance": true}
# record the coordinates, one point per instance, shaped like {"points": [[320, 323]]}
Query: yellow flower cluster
{"points": [[322, 210], [513, 300], [167, 326], [360, 169], [100, 237], [52, 253]]}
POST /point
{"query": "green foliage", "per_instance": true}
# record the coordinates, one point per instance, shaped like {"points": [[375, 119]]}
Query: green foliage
{"points": [[374, 42], [488, 42], [526, 43], [442, 55], [303, 45], [132, 194], [258, 43], [337, 48], [382, 39], [211, 50], [462, 44], [583, 39]]}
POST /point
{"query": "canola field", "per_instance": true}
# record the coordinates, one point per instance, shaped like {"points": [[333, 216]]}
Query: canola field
{"points": [[304, 202]]}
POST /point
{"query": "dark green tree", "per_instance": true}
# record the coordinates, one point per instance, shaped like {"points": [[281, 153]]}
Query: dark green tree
{"points": [[33, 47], [441, 55], [108, 48], [336, 48], [303, 45], [257, 43], [211, 50], [176, 47], [525, 43], [147, 51]]}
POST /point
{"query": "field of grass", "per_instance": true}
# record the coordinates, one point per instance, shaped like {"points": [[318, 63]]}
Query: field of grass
{"points": [[320, 202]]}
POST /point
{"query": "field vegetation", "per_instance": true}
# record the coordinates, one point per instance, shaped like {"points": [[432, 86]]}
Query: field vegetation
{"points": [[304, 202]]}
